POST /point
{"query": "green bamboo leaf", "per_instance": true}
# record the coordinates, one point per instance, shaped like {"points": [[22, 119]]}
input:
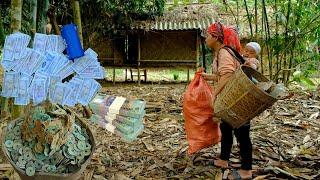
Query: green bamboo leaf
{"points": [[306, 82]]}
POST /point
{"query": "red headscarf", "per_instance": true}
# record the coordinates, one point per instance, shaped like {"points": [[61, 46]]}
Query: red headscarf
{"points": [[227, 35]]}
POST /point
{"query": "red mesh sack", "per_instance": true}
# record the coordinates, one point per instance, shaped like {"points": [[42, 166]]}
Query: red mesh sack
{"points": [[201, 130]]}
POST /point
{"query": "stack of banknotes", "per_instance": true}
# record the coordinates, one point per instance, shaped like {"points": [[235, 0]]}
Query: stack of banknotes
{"points": [[121, 116], [39, 73]]}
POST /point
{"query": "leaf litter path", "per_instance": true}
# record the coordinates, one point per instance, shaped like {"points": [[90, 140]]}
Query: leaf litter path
{"points": [[286, 141]]}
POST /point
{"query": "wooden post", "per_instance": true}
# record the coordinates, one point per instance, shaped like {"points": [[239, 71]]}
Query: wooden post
{"points": [[114, 76], [139, 79], [139, 51], [145, 75], [131, 74], [188, 75], [126, 73], [197, 49]]}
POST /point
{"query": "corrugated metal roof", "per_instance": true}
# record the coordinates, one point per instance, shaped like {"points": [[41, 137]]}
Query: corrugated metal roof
{"points": [[193, 16], [173, 25]]}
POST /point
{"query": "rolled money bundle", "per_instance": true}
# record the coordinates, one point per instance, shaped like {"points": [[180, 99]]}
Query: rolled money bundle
{"points": [[121, 116]]}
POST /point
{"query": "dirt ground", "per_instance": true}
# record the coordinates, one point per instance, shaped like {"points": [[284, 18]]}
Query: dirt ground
{"points": [[286, 141]]}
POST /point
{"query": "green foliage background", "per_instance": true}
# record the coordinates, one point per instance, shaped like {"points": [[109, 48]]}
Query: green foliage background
{"points": [[288, 30]]}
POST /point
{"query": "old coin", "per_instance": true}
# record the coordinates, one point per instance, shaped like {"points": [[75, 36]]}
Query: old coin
{"points": [[30, 171], [9, 143]]}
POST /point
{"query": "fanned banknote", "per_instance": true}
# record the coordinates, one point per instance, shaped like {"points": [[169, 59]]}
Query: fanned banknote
{"points": [[39, 43], [23, 97], [61, 92], [10, 84], [38, 91], [75, 84], [53, 80]]}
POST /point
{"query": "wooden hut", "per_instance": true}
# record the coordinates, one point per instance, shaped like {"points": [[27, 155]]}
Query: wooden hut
{"points": [[170, 41]]}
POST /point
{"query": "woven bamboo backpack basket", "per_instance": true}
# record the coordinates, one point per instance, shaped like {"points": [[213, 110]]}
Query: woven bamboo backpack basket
{"points": [[241, 100]]}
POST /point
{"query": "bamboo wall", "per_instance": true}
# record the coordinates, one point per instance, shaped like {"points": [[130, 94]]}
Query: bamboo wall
{"points": [[169, 45]]}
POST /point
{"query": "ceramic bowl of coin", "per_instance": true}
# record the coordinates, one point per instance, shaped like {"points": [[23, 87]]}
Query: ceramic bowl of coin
{"points": [[34, 162]]}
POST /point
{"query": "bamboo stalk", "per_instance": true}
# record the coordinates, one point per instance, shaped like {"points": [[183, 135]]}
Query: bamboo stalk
{"points": [[234, 16], [277, 43], [256, 17], [263, 44], [267, 38], [249, 19], [237, 13], [284, 74], [77, 18], [297, 22]]}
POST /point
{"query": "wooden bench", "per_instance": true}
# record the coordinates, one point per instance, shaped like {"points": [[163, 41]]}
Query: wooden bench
{"points": [[138, 73]]}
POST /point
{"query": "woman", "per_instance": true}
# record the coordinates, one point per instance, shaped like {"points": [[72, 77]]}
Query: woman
{"points": [[223, 67]]}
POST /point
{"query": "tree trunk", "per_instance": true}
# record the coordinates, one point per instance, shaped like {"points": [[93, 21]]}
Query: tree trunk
{"points": [[2, 38], [42, 8], [77, 18], [34, 5], [16, 14], [4, 101]]}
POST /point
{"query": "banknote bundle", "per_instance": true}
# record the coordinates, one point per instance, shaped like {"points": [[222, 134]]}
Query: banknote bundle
{"points": [[121, 116], [39, 73]]}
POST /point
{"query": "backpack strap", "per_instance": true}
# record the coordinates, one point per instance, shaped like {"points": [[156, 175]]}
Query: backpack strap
{"points": [[235, 54]]}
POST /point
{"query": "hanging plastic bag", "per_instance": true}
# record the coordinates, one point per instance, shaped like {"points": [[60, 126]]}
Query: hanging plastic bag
{"points": [[201, 130]]}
